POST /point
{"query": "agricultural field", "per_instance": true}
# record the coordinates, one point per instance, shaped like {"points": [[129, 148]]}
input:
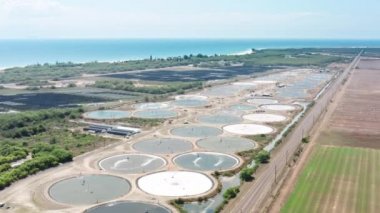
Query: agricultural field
{"points": [[356, 118], [338, 179]]}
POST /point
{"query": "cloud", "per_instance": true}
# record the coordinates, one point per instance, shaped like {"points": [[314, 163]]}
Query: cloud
{"points": [[30, 8], [123, 18]]}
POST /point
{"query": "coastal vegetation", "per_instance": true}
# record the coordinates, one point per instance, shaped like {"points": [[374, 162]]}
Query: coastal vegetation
{"points": [[44, 156], [160, 89], [40, 139], [35, 122]]}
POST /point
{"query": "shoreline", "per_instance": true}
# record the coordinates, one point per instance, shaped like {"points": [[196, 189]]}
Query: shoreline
{"points": [[34, 51], [244, 52]]}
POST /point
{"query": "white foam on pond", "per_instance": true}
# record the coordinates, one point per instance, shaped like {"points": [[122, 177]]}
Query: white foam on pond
{"points": [[245, 84], [261, 101], [206, 161], [132, 163], [150, 106], [248, 129], [264, 82], [191, 97], [265, 118], [175, 183], [278, 107]]}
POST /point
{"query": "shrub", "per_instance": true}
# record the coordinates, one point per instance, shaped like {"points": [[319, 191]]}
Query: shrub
{"points": [[28, 168], [262, 157], [305, 140], [231, 193], [5, 167], [179, 201], [62, 155], [246, 174]]}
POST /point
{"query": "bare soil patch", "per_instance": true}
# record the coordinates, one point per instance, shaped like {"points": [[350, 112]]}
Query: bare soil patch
{"points": [[369, 64], [356, 119]]}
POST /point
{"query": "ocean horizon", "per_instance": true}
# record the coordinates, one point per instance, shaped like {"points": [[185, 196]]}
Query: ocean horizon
{"points": [[23, 52]]}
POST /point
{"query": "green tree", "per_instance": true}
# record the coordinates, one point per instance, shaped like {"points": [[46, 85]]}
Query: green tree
{"points": [[246, 174], [231, 193], [262, 157]]}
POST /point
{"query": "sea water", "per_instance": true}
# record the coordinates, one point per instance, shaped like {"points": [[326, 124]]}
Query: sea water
{"points": [[25, 52]]}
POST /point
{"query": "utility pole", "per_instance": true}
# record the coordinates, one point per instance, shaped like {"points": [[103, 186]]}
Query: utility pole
{"points": [[275, 173], [286, 157]]}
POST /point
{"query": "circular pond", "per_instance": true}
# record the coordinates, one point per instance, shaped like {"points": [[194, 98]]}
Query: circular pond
{"points": [[150, 106], [163, 146], [190, 100], [219, 119], [193, 131], [260, 101], [107, 114], [242, 107], [128, 207], [265, 118], [248, 129], [175, 183], [278, 107], [206, 161], [226, 144], [155, 114], [89, 189], [132, 163]]}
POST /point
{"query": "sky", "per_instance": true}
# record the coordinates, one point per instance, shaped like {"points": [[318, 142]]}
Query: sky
{"points": [[330, 19]]}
